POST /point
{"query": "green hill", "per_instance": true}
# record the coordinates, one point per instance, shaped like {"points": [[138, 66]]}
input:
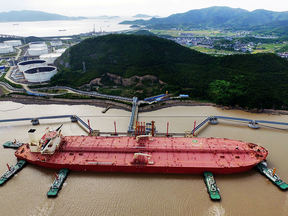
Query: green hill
{"points": [[214, 17], [255, 81], [278, 28]]}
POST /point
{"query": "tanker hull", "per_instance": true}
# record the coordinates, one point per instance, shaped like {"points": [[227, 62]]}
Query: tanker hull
{"points": [[146, 154]]}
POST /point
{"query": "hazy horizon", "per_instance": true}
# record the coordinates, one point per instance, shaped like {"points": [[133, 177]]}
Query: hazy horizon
{"points": [[90, 8]]}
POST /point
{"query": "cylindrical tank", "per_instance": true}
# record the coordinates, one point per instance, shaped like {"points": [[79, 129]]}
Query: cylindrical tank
{"points": [[13, 43], [38, 51], [40, 74], [50, 58], [25, 65], [60, 50], [37, 44], [56, 43], [6, 49]]}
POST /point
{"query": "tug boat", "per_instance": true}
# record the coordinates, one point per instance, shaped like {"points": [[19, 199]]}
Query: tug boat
{"points": [[58, 183], [212, 188], [142, 153], [270, 174], [14, 145], [12, 170]]}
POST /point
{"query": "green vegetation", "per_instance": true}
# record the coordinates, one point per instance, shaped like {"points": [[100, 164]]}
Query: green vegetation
{"points": [[253, 81], [223, 17], [2, 79], [197, 33], [53, 91], [78, 96]]}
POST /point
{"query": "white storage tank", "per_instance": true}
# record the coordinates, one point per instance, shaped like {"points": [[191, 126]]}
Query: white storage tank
{"points": [[13, 43], [60, 50], [40, 74], [50, 57], [25, 65], [6, 49], [38, 51], [37, 44], [56, 43]]}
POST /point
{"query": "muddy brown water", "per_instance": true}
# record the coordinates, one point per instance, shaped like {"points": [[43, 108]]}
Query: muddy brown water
{"points": [[91, 193]]}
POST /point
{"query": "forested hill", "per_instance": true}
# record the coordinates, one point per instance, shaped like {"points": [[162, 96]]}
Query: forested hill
{"points": [[217, 16], [254, 81]]}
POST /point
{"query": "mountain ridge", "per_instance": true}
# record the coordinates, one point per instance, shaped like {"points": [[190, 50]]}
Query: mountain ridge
{"points": [[217, 16], [31, 15]]}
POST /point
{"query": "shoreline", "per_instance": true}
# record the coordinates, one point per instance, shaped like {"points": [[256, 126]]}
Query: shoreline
{"points": [[23, 99]]}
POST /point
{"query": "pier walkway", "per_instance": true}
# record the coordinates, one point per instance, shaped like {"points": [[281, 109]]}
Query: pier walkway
{"points": [[251, 123], [35, 121], [134, 116]]}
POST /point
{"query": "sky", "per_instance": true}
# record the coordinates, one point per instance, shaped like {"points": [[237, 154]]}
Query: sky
{"points": [[161, 8]]}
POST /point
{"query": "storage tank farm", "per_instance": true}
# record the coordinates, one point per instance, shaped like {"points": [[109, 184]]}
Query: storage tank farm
{"points": [[37, 48], [40, 74]]}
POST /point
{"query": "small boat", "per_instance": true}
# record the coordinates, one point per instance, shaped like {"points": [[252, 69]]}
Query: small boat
{"points": [[270, 174], [62, 29], [10, 144], [212, 188], [58, 183], [11, 171]]}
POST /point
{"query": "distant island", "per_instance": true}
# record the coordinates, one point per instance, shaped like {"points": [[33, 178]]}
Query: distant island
{"points": [[29, 15], [106, 17], [142, 16]]}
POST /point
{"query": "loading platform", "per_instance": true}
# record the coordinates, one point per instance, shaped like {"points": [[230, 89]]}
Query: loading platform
{"points": [[134, 116]]}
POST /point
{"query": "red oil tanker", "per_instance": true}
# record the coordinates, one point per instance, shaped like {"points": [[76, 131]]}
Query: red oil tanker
{"points": [[143, 153]]}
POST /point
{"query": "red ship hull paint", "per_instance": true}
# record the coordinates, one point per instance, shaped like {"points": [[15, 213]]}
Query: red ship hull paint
{"points": [[149, 155]]}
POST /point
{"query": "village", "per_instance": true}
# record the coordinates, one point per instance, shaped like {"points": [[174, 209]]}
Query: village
{"points": [[228, 43]]}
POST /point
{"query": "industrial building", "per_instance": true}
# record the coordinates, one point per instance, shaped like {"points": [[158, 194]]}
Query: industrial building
{"points": [[40, 74]]}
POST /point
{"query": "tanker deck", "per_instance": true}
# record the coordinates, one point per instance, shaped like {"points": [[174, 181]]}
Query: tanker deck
{"points": [[142, 154]]}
